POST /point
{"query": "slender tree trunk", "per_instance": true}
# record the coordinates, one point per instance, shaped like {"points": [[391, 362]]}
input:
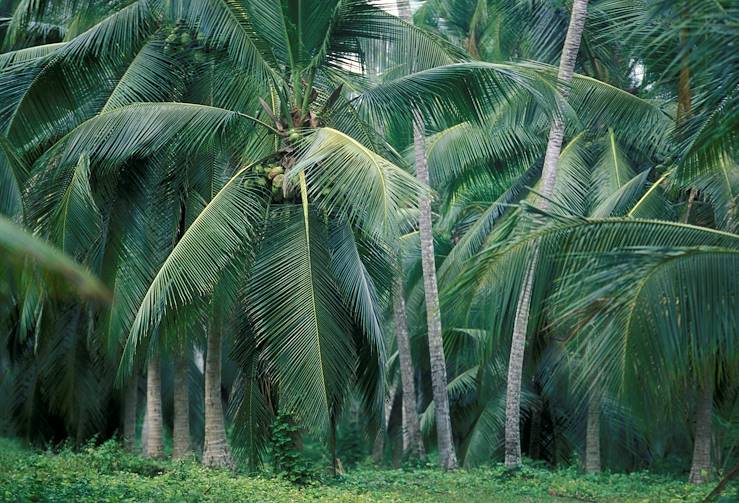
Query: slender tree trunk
{"points": [[181, 431], [215, 449], [700, 471], [592, 436], [412, 439], [378, 449], [447, 455], [154, 438], [129, 414], [549, 172]]}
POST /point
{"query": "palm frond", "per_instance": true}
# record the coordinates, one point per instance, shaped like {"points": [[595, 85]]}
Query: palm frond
{"points": [[299, 317]]}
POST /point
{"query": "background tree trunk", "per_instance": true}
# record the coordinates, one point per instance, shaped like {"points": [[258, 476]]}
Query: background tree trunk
{"points": [[129, 414], [154, 439], [181, 431], [447, 455], [549, 173], [700, 470], [412, 439], [215, 449], [592, 435]]}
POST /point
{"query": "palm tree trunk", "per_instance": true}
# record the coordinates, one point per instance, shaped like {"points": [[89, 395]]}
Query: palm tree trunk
{"points": [[412, 439], [181, 431], [154, 438], [549, 172], [378, 449], [215, 449], [129, 414], [700, 471], [592, 436], [447, 455]]}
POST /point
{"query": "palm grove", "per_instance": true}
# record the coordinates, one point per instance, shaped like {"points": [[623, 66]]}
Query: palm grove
{"points": [[485, 230]]}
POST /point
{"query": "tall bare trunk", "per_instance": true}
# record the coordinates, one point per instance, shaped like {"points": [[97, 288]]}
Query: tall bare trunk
{"points": [[154, 439], [549, 172], [412, 439], [447, 455], [129, 414], [700, 470], [378, 449], [181, 431], [592, 435], [215, 449]]}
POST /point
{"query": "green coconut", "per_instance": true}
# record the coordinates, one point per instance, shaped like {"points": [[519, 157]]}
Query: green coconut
{"points": [[274, 171], [278, 180], [185, 38]]}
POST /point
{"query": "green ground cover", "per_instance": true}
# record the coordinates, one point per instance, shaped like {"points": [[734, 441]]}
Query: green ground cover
{"points": [[106, 473]]}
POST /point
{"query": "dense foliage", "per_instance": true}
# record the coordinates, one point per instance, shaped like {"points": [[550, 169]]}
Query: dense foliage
{"points": [[293, 236], [107, 473]]}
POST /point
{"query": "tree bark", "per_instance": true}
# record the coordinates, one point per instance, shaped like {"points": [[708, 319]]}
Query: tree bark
{"points": [[215, 449], [549, 172], [412, 439], [154, 438], [129, 414], [592, 436], [378, 449], [181, 430], [447, 455], [700, 471]]}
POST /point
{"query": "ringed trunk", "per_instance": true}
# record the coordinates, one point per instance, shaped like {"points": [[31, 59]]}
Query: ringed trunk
{"points": [[412, 439], [549, 172], [447, 455], [215, 449], [700, 470], [592, 436], [154, 438]]}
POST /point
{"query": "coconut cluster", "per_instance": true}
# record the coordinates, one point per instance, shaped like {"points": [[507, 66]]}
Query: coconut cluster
{"points": [[181, 38], [273, 177]]}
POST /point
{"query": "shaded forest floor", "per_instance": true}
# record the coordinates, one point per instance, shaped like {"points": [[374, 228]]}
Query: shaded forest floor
{"points": [[106, 473]]}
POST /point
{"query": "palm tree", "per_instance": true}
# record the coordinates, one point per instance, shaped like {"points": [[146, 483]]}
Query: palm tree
{"points": [[549, 173], [412, 438]]}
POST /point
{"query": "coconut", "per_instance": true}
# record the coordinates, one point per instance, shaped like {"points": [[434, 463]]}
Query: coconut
{"points": [[185, 38], [274, 171], [278, 181], [293, 135]]}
